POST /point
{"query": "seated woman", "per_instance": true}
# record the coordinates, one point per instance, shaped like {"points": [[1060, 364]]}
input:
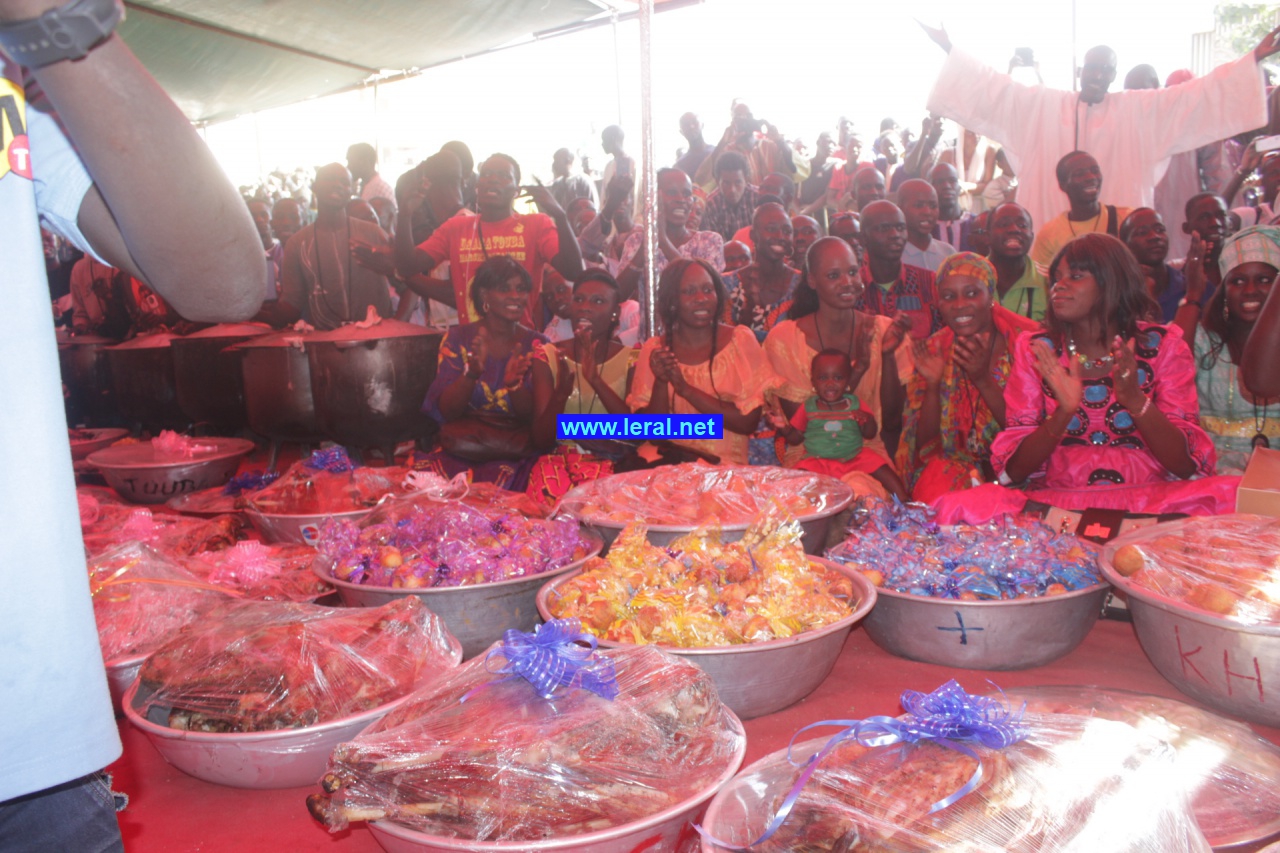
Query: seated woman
{"points": [[1101, 401], [822, 316], [1236, 419], [700, 365], [587, 374], [482, 395], [955, 401]]}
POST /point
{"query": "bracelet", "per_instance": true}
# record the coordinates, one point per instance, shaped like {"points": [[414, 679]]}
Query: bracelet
{"points": [[68, 32], [1143, 410]]}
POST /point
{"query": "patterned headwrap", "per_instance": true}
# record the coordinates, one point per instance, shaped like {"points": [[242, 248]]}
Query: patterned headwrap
{"points": [[1260, 243], [970, 264]]}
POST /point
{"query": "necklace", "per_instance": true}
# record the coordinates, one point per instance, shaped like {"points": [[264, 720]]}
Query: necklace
{"points": [[344, 313], [1089, 363], [1096, 219], [817, 327], [1259, 411]]}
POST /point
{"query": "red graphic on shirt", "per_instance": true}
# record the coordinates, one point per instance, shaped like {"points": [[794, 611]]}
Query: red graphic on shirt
{"points": [[20, 156]]}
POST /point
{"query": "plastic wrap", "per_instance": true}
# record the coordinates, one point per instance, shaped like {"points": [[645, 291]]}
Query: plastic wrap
{"points": [[1071, 783], [508, 765], [1227, 566], [697, 495], [419, 543], [141, 597], [326, 482], [106, 525], [259, 666], [279, 572], [1230, 772], [901, 547], [698, 592]]}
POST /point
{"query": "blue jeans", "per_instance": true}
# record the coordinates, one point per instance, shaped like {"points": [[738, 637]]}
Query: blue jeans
{"points": [[76, 817]]}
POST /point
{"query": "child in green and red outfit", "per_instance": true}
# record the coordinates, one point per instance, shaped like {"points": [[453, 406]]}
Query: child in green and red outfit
{"points": [[832, 424]]}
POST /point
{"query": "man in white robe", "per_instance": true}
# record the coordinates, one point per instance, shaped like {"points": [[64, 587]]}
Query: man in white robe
{"points": [[1132, 134]]}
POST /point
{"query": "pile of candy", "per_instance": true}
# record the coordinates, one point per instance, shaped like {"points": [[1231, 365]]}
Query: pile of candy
{"points": [[1228, 565], [695, 495], [420, 544], [698, 592], [902, 548]]}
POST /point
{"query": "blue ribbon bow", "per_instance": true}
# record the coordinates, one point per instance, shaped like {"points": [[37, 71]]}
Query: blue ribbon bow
{"points": [[249, 481], [945, 716], [554, 657], [334, 460]]}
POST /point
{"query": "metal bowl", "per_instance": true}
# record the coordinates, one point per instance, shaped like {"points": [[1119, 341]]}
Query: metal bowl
{"points": [[121, 674], [1015, 634], [477, 615], [1223, 663], [81, 448], [287, 758], [140, 474], [754, 679], [663, 831], [301, 529], [209, 503]]}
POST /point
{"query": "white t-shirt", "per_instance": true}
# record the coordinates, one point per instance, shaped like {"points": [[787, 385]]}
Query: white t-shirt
{"points": [[58, 724]]}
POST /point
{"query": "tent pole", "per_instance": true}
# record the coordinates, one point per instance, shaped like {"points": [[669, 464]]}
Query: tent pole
{"points": [[617, 66], [648, 185]]}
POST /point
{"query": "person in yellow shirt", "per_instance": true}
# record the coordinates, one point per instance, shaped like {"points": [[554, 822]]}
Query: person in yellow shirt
{"points": [[1081, 179]]}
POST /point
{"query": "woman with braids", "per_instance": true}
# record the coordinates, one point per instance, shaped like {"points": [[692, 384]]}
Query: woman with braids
{"points": [[822, 317], [1103, 401], [955, 400], [1236, 419], [700, 365], [587, 374]]}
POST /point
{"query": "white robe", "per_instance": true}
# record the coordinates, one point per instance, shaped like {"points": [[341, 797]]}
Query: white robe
{"points": [[1131, 134]]}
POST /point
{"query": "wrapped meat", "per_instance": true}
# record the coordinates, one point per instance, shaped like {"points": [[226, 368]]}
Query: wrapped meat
{"points": [[507, 765], [326, 482], [261, 666], [141, 597], [276, 572], [106, 524], [1224, 565], [1061, 783], [697, 495]]}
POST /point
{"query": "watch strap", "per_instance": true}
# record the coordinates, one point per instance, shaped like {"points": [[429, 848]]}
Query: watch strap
{"points": [[69, 31]]}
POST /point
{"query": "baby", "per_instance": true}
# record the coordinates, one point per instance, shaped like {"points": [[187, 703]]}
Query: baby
{"points": [[832, 424]]}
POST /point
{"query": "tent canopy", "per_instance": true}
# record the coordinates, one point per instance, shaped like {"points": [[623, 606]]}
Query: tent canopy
{"points": [[221, 59]]}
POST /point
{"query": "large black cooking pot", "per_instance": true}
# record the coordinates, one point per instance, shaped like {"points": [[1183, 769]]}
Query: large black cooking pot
{"points": [[91, 399], [277, 387], [142, 376], [369, 384], [207, 374]]}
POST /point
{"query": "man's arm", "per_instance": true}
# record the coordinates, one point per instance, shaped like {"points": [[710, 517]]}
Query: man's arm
{"points": [[568, 257], [160, 208]]}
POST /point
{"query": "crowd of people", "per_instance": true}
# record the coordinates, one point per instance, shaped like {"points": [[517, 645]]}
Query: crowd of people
{"points": [[918, 320]]}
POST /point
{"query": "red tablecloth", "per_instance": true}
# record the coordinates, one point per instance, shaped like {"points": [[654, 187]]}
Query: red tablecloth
{"points": [[171, 812]]}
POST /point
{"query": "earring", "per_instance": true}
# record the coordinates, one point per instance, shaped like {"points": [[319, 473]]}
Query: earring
{"points": [[1226, 312], [485, 306]]}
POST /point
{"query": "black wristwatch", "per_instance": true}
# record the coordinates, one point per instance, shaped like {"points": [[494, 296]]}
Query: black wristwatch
{"points": [[68, 32]]}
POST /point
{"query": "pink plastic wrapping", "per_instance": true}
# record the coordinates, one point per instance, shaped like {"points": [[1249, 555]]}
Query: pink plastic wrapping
{"points": [[1231, 774], [697, 592], [106, 525], [696, 495], [418, 543], [1075, 783], [308, 488], [259, 666], [278, 572], [1227, 566], [506, 765], [141, 597]]}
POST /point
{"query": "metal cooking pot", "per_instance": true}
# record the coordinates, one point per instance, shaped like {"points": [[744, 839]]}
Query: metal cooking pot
{"points": [[207, 374], [277, 388], [142, 376], [369, 384], [91, 398]]}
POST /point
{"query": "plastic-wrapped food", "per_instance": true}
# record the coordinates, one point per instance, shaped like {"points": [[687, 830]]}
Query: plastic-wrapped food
{"points": [[418, 543], [277, 572], [699, 592], [507, 765], [1231, 773], [259, 666], [1060, 783], [695, 494], [1226, 565], [106, 524], [902, 548], [141, 597], [326, 482]]}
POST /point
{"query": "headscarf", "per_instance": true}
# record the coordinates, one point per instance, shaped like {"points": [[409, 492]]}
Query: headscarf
{"points": [[1257, 243], [970, 264]]}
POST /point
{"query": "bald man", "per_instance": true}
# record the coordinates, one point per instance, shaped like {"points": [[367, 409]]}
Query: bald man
{"points": [[918, 201], [1131, 133]]}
